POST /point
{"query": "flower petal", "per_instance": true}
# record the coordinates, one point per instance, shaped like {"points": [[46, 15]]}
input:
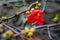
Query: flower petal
{"points": [[31, 19], [40, 20]]}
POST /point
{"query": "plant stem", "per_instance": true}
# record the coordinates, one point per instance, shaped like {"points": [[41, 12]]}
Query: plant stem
{"points": [[11, 28]]}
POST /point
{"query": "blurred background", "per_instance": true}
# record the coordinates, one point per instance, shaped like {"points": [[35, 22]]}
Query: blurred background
{"points": [[10, 7]]}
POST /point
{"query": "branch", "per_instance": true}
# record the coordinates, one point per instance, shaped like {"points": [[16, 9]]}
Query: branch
{"points": [[50, 25], [14, 27], [20, 12], [17, 33], [10, 28], [38, 27], [49, 32]]}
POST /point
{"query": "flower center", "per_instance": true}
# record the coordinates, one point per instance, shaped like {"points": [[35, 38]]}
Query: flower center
{"points": [[37, 15]]}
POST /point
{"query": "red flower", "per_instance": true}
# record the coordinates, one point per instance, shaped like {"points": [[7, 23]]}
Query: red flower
{"points": [[35, 12], [36, 16], [40, 20], [31, 19]]}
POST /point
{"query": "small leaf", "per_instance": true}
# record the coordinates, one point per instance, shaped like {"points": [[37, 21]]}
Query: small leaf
{"points": [[30, 34], [26, 29], [36, 2], [24, 20], [36, 7], [32, 30], [4, 17], [5, 35], [56, 18]]}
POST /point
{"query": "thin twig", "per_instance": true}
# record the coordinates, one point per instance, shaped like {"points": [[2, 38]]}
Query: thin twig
{"points": [[43, 26], [49, 29], [17, 33], [20, 12], [44, 4], [14, 27], [54, 35], [47, 25], [10, 28], [49, 32]]}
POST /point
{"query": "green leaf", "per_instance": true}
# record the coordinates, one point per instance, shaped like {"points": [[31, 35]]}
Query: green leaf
{"points": [[24, 20], [8, 35], [56, 18], [36, 7], [4, 17], [36, 2], [26, 29], [5, 35]]}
